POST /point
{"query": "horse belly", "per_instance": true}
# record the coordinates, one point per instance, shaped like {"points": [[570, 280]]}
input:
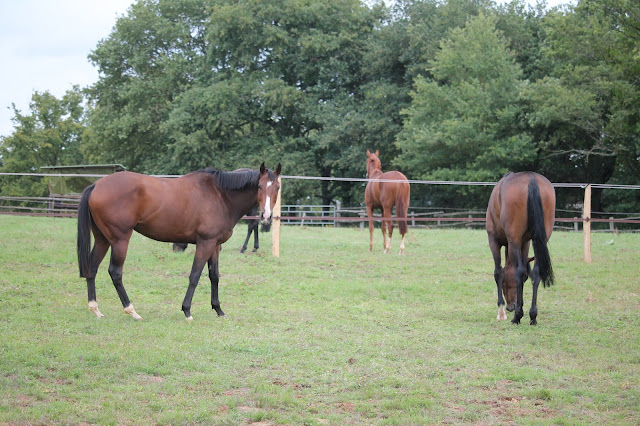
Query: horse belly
{"points": [[167, 227]]}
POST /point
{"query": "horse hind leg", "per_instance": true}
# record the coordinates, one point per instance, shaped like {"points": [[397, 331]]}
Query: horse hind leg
{"points": [[100, 248], [535, 281], [118, 256], [521, 277], [387, 224]]}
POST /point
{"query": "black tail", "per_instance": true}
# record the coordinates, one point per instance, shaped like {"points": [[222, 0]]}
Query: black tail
{"points": [[84, 233], [535, 216]]}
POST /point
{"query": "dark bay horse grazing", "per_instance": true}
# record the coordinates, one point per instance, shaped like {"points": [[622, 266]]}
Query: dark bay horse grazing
{"points": [[385, 195], [521, 210], [199, 208]]}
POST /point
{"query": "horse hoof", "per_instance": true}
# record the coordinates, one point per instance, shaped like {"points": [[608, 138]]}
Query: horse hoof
{"points": [[190, 318], [533, 322], [515, 321], [93, 307], [129, 310]]}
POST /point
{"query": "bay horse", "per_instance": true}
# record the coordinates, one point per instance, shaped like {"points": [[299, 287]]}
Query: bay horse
{"points": [[521, 211], [199, 208], [385, 195]]}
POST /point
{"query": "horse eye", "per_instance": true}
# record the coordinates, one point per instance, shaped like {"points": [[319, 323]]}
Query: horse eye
{"points": [[259, 186]]}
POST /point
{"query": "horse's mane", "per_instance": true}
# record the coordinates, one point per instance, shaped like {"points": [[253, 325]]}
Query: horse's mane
{"points": [[237, 179]]}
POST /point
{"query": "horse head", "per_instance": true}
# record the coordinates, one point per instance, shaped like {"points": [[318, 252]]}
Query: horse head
{"points": [[509, 286], [373, 162], [268, 188], [509, 283]]}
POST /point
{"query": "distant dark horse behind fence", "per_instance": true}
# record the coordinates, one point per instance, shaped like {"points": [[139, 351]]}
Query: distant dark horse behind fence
{"points": [[385, 195], [252, 228], [199, 208], [521, 210]]}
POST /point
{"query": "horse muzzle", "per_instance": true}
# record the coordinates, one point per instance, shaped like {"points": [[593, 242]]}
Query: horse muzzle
{"points": [[511, 307], [265, 220]]}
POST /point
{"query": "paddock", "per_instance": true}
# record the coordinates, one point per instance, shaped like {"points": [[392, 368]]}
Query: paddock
{"points": [[326, 334]]}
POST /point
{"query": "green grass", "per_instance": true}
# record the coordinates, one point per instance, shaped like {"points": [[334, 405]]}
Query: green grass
{"points": [[327, 334]]}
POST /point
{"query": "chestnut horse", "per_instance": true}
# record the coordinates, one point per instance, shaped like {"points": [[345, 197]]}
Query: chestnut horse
{"points": [[200, 208], [521, 210], [385, 195]]}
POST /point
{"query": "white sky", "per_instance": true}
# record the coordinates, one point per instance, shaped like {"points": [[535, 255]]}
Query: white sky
{"points": [[44, 46]]}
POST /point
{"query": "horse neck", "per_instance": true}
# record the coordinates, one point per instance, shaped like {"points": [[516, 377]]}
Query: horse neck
{"points": [[242, 201]]}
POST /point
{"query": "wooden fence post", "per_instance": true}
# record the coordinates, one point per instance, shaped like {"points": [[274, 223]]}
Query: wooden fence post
{"points": [[586, 226], [275, 229]]}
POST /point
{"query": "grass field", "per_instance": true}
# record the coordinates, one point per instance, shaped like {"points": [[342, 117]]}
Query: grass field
{"points": [[327, 334]]}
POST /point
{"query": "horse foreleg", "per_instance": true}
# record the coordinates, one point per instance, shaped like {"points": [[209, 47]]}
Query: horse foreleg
{"points": [[498, 275], [246, 240], [402, 244], [370, 216], [100, 248], [256, 243], [204, 251], [214, 276], [118, 256]]}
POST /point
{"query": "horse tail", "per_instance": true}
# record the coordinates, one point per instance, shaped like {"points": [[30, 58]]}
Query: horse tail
{"points": [[535, 216], [401, 208], [84, 232]]}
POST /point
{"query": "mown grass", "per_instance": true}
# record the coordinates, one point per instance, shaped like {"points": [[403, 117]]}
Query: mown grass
{"points": [[327, 334]]}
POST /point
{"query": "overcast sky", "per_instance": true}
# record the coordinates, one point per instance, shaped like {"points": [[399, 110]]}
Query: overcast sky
{"points": [[44, 46]]}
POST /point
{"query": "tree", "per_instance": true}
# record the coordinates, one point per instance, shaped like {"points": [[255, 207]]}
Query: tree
{"points": [[285, 75], [464, 124], [587, 112], [49, 135], [151, 57]]}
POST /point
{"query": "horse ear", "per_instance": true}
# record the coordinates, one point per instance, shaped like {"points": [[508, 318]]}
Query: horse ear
{"points": [[278, 169], [377, 153], [368, 153], [262, 168]]}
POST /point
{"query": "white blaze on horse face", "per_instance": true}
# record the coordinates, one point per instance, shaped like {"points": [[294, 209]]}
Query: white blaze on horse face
{"points": [[267, 205]]}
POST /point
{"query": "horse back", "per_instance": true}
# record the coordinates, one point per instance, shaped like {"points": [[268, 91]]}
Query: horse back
{"points": [[507, 217], [383, 193]]}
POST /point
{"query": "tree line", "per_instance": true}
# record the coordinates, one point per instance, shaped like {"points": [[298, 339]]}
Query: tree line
{"points": [[446, 90]]}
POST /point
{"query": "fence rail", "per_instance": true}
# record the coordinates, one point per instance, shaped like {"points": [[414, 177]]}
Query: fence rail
{"points": [[334, 214]]}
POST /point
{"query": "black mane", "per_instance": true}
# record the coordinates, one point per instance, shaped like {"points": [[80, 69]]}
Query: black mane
{"points": [[235, 180]]}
